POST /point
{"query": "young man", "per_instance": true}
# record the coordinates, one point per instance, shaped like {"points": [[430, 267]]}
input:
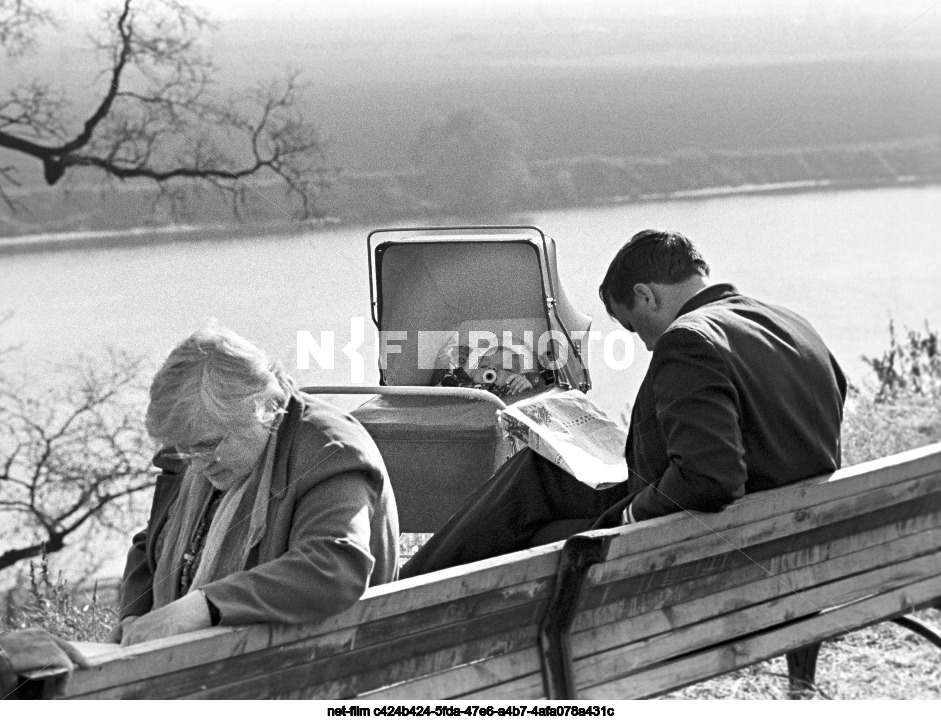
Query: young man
{"points": [[740, 396]]}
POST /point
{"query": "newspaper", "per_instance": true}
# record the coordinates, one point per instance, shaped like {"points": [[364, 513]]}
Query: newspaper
{"points": [[572, 432]]}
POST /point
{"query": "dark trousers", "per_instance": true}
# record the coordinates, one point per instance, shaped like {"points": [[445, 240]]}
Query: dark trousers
{"points": [[527, 502]]}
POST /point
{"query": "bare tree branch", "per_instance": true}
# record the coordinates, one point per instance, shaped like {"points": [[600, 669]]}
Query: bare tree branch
{"points": [[19, 22], [50, 545], [8, 177], [72, 459], [33, 109], [161, 119]]}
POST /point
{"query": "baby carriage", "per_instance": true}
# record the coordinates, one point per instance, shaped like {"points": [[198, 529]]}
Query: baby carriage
{"points": [[434, 291]]}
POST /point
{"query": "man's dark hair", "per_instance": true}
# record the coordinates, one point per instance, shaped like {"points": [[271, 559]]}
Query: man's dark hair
{"points": [[651, 256]]}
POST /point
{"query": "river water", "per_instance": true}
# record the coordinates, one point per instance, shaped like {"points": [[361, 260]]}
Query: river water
{"points": [[847, 260]]}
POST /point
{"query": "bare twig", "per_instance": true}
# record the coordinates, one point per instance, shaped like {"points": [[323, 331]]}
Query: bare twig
{"points": [[70, 458], [19, 22], [161, 120]]}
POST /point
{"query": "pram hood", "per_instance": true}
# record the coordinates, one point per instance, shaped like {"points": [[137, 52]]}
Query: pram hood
{"points": [[431, 287]]}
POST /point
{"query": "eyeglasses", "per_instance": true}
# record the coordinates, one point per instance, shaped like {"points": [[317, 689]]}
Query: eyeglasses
{"points": [[208, 450]]}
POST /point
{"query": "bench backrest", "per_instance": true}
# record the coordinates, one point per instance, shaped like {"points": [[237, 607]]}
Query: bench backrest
{"points": [[672, 601]]}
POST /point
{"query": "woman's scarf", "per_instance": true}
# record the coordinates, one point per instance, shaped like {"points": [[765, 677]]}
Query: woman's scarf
{"points": [[238, 526]]}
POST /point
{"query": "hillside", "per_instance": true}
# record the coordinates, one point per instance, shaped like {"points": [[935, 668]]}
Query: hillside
{"points": [[562, 182], [611, 106]]}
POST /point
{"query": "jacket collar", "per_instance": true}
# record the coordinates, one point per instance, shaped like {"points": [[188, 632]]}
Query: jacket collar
{"points": [[709, 294], [285, 435]]}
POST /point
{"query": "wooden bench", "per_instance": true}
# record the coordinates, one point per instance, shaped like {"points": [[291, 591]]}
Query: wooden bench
{"points": [[626, 613]]}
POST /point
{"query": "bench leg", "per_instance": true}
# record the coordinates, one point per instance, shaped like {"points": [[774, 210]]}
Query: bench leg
{"points": [[921, 628], [802, 669]]}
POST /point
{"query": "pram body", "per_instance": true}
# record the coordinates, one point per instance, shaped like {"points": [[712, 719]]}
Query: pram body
{"points": [[466, 285]]}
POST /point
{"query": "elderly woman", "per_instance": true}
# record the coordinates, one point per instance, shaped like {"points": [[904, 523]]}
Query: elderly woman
{"points": [[272, 507]]}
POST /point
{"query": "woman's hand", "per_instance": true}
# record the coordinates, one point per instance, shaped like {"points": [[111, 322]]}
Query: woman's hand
{"points": [[117, 633], [190, 613]]}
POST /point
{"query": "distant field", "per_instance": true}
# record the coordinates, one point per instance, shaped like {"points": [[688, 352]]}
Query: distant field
{"points": [[567, 111], [616, 84]]}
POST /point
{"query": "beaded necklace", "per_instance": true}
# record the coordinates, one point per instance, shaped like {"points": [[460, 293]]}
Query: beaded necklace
{"points": [[193, 553]]}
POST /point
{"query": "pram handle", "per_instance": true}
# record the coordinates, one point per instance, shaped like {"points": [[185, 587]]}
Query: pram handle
{"points": [[470, 393]]}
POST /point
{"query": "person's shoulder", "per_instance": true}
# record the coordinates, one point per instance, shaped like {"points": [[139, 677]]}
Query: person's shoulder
{"points": [[326, 436], [743, 312], [685, 339], [738, 325], [708, 327], [712, 320], [316, 416]]}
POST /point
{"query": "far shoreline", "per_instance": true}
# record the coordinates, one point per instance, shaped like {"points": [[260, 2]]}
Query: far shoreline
{"points": [[188, 233]]}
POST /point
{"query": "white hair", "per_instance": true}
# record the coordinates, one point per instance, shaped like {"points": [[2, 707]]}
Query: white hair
{"points": [[214, 375]]}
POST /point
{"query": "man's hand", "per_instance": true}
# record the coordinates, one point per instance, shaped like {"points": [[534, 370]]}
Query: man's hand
{"points": [[117, 633], [189, 613]]}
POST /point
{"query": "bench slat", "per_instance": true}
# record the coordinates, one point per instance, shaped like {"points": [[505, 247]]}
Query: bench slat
{"points": [[730, 657], [523, 688], [762, 646], [779, 555], [787, 521], [597, 668], [596, 633], [847, 482], [849, 570], [332, 674], [460, 681], [857, 551], [320, 679]]}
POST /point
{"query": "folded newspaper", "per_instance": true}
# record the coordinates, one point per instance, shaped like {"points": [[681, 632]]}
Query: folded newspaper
{"points": [[572, 432]]}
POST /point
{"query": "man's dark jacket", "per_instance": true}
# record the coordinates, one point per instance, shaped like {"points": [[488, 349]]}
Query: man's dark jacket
{"points": [[740, 396]]}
